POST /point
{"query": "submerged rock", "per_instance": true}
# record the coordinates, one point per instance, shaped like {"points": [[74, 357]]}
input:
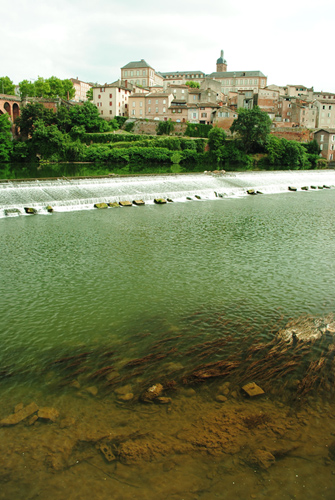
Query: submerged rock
{"points": [[93, 390], [159, 201], [291, 188], [152, 393], [114, 204], [126, 397], [20, 415], [49, 208], [252, 389], [262, 458], [163, 401], [48, 413], [125, 203], [304, 188], [304, 329], [138, 202], [107, 452]]}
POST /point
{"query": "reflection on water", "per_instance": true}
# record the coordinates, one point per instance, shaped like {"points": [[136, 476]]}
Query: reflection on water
{"points": [[127, 338]]}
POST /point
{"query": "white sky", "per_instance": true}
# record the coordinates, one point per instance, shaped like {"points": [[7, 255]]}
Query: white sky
{"points": [[291, 42]]}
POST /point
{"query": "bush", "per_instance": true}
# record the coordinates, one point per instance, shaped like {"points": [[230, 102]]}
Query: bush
{"points": [[198, 130], [165, 127]]}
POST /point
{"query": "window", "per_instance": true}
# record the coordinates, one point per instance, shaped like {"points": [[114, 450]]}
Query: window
{"points": [[137, 73], [99, 96], [321, 147], [102, 112], [149, 101], [110, 96], [164, 101], [141, 104], [149, 110], [110, 103], [156, 101], [110, 111], [164, 110], [133, 112], [322, 138], [133, 104], [102, 89], [143, 72], [203, 115], [156, 110], [143, 82], [330, 107], [131, 73], [141, 112], [126, 73]]}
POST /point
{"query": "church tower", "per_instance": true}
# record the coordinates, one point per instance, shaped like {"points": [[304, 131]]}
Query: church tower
{"points": [[221, 64]]}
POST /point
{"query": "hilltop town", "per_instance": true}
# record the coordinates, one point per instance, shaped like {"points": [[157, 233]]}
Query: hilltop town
{"points": [[142, 93]]}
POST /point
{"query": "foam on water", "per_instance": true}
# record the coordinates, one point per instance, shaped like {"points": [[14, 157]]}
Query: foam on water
{"points": [[81, 194]]}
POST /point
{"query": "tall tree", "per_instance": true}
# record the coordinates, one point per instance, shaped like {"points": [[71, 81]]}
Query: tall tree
{"points": [[253, 128], [6, 86], [6, 145]]}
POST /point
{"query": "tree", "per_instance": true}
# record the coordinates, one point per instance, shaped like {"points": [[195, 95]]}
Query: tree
{"points": [[30, 114], [51, 87], [216, 138], [88, 115], [6, 144], [26, 89], [89, 94], [165, 127], [6, 86], [193, 85], [253, 129]]}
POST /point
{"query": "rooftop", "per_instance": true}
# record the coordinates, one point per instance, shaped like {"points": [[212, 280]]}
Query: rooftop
{"points": [[237, 74], [137, 64]]}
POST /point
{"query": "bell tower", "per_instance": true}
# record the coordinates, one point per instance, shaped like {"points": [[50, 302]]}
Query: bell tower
{"points": [[221, 64]]}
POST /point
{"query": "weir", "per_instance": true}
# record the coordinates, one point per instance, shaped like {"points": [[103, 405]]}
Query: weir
{"points": [[66, 194]]}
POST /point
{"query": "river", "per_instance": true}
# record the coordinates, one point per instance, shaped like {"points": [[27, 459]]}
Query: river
{"points": [[192, 299]]}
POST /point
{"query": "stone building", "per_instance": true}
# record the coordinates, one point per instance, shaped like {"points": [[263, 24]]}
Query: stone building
{"points": [[325, 138], [81, 89]]}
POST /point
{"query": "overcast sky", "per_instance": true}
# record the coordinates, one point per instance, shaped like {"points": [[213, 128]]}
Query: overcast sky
{"points": [[291, 42]]}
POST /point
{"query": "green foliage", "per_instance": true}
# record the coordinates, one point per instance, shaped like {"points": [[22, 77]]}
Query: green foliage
{"points": [[121, 120], [232, 158], [253, 129], [88, 116], [6, 86], [312, 147], [30, 114], [165, 127], [49, 88], [176, 157], [129, 126], [193, 85], [89, 94], [198, 130], [284, 154], [6, 144], [216, 138]]}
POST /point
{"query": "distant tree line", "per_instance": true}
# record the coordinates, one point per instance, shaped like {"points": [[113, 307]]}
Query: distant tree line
{"points": [[77, 133]]}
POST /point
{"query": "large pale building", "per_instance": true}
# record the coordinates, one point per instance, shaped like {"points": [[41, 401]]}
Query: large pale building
{"points": [[81, 89], [140, 73], [112, 99]]}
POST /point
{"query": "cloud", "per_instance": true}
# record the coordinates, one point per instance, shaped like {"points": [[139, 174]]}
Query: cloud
{"points": [[93, 40]]}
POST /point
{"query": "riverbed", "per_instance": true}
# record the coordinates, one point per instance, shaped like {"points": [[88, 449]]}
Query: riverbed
{"points": [[191, 300]]}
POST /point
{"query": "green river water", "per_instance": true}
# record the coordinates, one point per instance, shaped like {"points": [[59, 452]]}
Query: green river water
{"points": [[99, 305]]}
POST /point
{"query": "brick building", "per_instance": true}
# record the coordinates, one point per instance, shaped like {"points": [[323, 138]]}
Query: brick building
{"points": [[325, 138]]}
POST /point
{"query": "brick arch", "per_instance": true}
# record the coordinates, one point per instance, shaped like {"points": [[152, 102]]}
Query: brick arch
{"points": [[10, 105]]}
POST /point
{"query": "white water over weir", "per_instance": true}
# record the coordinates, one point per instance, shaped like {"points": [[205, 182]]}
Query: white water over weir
{"points": [[65, 194]]}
